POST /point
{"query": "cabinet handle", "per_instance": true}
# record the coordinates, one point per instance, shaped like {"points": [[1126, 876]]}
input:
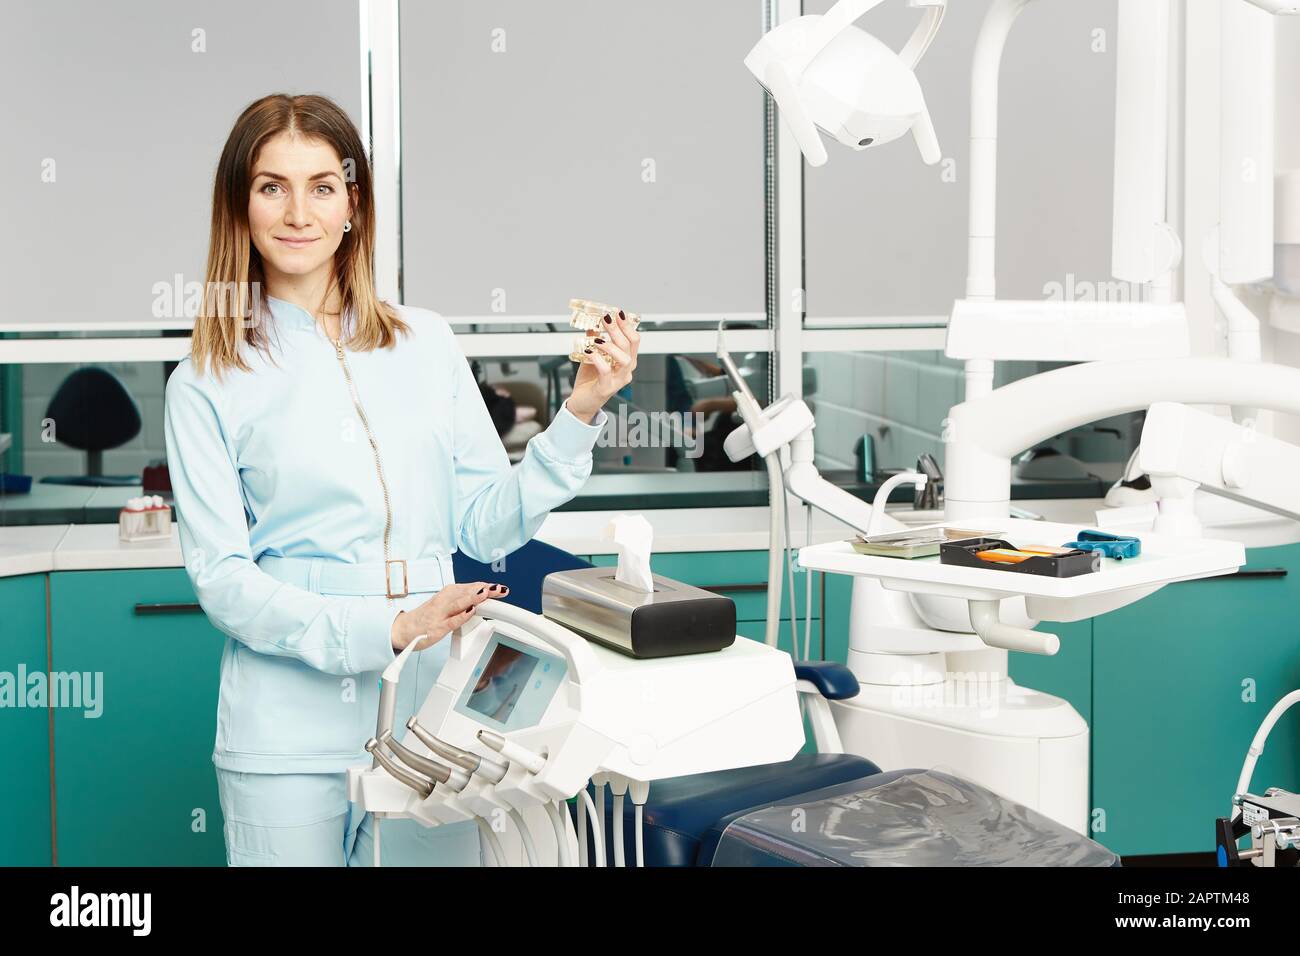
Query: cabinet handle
{"points": [[1243, 574], [1257, 573], [188, 607]]}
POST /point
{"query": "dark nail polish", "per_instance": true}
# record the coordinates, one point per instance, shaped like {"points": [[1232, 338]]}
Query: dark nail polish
{"points": [[481, 590], [492, 587], [588, 351], [600, 341], [621, 315], [608, 320]]}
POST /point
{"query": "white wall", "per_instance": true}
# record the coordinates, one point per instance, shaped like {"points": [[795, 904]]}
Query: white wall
{"points": [[115, 116], [603, 149], [886, 235], [1285, 345], [134, 120]]}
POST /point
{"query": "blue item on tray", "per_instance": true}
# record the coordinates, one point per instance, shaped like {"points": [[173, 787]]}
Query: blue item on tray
{"points": [[1110, 545]]}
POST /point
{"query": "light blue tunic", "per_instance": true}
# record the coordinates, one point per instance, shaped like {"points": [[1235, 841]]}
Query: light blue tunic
{"points": [[276, 463]]}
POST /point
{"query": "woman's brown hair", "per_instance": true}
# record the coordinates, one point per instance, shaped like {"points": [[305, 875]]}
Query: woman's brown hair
{"points": [[233, 302]]}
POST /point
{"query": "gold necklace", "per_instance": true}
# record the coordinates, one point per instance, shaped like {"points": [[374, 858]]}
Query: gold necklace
{"points": [[379, 468]]}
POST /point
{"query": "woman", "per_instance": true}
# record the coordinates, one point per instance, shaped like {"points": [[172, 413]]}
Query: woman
{"points": [[328, 453]]}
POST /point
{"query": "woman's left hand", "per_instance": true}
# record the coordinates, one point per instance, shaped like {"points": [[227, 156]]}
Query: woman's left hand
{"points": [[615, 345]]}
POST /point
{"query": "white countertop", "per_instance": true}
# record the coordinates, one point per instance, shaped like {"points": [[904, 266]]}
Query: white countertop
{"points": [[29, 549], [34, 549]]}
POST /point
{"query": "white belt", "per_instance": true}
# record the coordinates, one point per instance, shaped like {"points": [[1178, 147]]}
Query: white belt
{"points": [[328, 576]]}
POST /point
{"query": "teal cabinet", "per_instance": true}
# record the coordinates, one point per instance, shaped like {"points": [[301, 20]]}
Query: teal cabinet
{"points": [[1181, 683], [25, 837], [757, 631], [837, 598], [1067, 673], [133, 777], [1173, 688]]}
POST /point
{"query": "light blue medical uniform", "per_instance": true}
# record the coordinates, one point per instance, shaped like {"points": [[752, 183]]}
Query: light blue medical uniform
{"points": [[281, 520]]}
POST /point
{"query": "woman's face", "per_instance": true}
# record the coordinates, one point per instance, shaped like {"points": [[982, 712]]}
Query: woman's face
{"points": [[298, 204]]}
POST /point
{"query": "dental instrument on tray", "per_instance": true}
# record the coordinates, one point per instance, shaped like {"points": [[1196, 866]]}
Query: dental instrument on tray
{"points": [[999, 554], [1115, 546], [920, 543]]}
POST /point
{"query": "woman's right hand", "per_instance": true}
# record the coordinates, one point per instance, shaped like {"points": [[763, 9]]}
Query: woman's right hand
{"points": [[437, 617]]}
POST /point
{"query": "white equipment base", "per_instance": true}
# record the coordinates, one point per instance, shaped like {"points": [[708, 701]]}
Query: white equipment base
{"points": [[1022, 744]]}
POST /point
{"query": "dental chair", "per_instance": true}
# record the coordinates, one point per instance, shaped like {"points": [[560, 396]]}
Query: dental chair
{"points": [[825, 808]]}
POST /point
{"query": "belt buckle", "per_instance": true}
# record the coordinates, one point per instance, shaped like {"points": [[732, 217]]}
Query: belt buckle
{"points": [[388, 578]]}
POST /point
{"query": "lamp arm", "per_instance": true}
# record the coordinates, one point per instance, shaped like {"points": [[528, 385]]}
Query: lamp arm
{"points": [[924, 33], [847, 12], [838, 18]]}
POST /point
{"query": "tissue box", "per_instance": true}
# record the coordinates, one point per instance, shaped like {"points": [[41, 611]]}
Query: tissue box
{"points": [[673, 619]]}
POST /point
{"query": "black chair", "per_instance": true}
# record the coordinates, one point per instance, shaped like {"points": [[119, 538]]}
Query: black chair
{"points": [[92, 411]]}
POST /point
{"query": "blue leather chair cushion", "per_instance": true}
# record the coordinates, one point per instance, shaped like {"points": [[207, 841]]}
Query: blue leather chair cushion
{"points": [[681, 811], [834, 680]]}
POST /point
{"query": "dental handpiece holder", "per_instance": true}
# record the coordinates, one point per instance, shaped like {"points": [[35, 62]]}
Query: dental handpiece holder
{"points": [[581, 709]]}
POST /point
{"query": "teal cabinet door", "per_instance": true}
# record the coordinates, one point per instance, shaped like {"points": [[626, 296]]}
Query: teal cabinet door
{"points": [[837, 604], [24, 724], [133, 775], [1182, 680], [757, 631], [1067, 673]]}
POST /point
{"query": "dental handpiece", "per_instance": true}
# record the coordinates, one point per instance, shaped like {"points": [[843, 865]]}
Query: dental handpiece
{"points": [[530, 761], [452, 777], [418, 784], [490, 770]]}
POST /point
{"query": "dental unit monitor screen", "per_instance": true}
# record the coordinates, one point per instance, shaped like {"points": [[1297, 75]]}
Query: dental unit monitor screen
{"points": [[511, 686], [502, 682]]}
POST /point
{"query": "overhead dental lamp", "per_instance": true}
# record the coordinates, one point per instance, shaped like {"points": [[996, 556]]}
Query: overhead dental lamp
{"points": [[830, 76]]}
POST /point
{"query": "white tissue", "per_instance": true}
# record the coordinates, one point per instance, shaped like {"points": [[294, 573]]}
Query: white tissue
{"points": [[632, 536]]}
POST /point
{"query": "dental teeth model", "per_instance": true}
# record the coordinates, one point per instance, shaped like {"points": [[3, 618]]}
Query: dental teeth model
{"points": [[145, 519], [590, 316]]}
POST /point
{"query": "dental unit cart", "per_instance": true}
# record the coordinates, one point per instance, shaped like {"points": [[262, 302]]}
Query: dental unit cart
{"points": [[526, 713]]}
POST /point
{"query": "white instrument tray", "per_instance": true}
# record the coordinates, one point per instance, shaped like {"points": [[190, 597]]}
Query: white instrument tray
{"points": [[1164, 559]]}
